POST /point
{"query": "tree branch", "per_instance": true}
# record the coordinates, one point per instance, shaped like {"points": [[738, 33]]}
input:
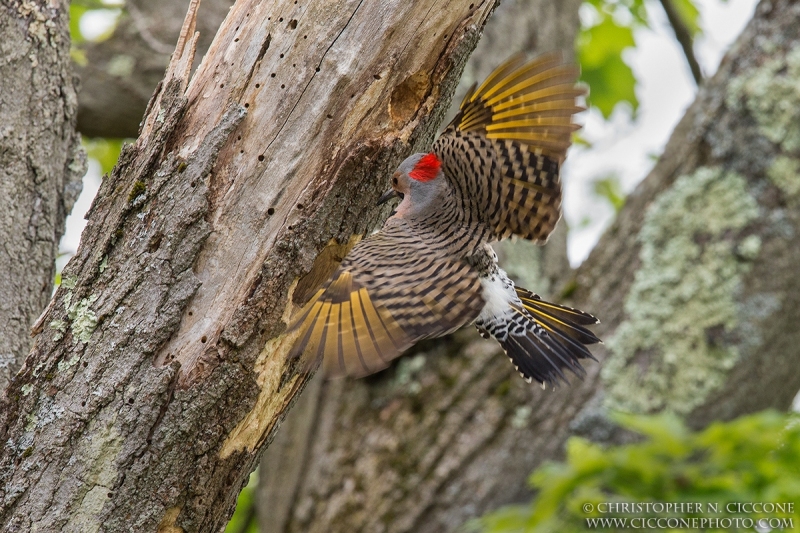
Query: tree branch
{"points": [[684, 38]]}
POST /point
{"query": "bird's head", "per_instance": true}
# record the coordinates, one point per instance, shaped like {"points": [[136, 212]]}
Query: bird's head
{"points": [[418, 181]]}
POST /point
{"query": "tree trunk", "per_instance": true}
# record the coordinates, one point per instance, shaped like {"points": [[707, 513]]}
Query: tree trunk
{"points": [[158, 372], [41, 164], [697, 289]]}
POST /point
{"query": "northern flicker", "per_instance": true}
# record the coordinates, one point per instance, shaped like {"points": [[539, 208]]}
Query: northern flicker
{"points": [[492, 173]]}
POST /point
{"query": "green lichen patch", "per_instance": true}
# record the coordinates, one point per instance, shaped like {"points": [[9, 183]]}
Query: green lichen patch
{"points": [[771, 95], [664, 355], [84, 320], [785, 174]]}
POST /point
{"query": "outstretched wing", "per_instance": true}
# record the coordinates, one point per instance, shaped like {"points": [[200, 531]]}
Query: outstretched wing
{"points": [[504, 149], [390, 292]]}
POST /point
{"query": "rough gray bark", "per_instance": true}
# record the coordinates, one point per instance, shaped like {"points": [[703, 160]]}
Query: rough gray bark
{"points": [[158, 372], [696, 286], [120, 73], [41, 164]]}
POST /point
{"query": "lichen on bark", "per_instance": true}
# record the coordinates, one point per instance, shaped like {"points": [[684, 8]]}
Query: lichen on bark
{"points": [[662, 355]]}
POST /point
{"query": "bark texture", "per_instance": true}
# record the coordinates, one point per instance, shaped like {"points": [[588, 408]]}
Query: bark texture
{"points": [[158, 372], [41, 164], [121, 73], [696, 286]]}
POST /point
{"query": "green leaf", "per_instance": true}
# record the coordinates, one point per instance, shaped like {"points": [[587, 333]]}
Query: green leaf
{"points": [[610, 79], [689, 14], [610, 189], [104, 151]]}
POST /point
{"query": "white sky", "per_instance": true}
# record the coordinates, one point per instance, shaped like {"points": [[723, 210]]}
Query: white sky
{"points": [[620, 146]]}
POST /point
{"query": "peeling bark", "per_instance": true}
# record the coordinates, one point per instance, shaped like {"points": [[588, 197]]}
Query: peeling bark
{"points": [[158, 371], [703, 257], [41, 164]]}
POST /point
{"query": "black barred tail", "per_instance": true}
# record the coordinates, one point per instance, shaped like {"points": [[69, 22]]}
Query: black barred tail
{"points": [[542, 339]]}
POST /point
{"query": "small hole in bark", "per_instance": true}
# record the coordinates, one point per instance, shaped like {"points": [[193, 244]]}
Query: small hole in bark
{"points": [[261, 157], [294, 64], [236, 40], [221, 85], [83, 404], [281, 56], [329, 116], [241, 151], [193, 184], [280, 19], [247, 15], [130, 401], [271, 211], [272, 75], [110, 494], [289, 228], [149, 441], [247, 105], [317, 69], [258, 85], [283, 86], [471, 6], [203, 339], [238, 137], [190, 313], [299, 206], [305, 36], [445, 37], [293, 23], [269, 18], [85, 364], [261, 332], [352, 96], [376, 76]]}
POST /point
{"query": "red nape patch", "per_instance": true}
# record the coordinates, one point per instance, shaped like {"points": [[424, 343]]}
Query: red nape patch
{"points": [[427, 168]]}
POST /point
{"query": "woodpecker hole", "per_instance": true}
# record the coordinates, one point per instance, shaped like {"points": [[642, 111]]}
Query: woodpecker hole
{"points": [[329, 116], [258, 85], [317, 69], [191, 313], [376, 76], [239, 138], [203, 339], [471, 6], [272, 75], [271, 211], [236, 40], [299, 206], [280, 19], [221, 85], [281, 56], [130, 401], [394, 181], [247, 105], [85, 364], [83, 404], [283, 86], [193, 184], [305, 36], [261, 157], [241, 151], [293, 23]]}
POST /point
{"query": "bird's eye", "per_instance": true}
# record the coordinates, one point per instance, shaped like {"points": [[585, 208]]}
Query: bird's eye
{"points": [[394, 181]]}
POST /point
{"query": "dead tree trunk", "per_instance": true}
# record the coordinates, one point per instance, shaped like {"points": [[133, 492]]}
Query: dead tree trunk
{"points": [[41, 164], [696, 286], [158, 370]]}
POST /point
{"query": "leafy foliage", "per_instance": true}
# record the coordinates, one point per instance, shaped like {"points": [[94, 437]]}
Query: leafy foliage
{"points": [[104, 151], [242, 520], [610, 189], [752, 459]]}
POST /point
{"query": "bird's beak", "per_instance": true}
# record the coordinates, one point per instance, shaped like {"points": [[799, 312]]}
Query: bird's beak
{"points": [[388, 195]]}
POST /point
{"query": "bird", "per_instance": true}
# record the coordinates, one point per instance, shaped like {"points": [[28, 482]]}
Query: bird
{"points": [[493, 173]]}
